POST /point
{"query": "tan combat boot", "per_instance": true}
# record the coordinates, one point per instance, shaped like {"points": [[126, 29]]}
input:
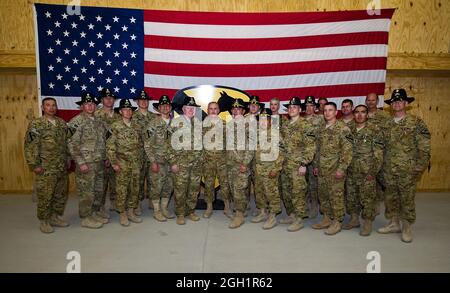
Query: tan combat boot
{"points": [[165, 208], [45, 227], [132, 216], [56, 221], [138, 210], [334, 228], [181, 220], [123, 219], [392, 227], [366, 228], [406, 232], [209, 210], [193, 217], [237, 221], [90, 222], [353, 223], [103, 213], [227, 209], [270, 222], [325, 223], [260, 217], [157, 214], [288, 220], [296, 225], [96, 217]]}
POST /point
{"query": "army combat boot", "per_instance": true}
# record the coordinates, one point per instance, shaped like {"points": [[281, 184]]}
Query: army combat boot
{"points": [[138, 210], [157, 214], [366, 228], [45, 227], [227, 209], [334, 228], [132, 216], [103, 213], [193, 217], [165, 208], [406, 232], [270, 222], [237, 221], [56, 221], [325, 223], [288, 220], [353, 223], [209, 210], [97, 217], [90, 222], [123, 219], [296, 225], [261, 216], [392, 227], [181, 220]]}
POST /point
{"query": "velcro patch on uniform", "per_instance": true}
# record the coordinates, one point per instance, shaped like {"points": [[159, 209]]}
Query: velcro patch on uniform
{"points": [[32, 134], [71, 130]]}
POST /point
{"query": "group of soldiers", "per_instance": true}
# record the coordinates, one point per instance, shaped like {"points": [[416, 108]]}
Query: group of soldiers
{"points": [[309, 161]]}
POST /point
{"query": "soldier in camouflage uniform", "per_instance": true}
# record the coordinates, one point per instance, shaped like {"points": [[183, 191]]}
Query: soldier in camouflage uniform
{"points": [[239, 157], [185, 158], [107, 115], [268, 164], [378, 117], [361, 174], [297, 142], [407, 155], [87, 148], [277, 119], [124, 151], [143, 117], [333, 156], [214, 160], [47, 155], [321, 102], [347, 112], [312, 196], [157, 146]]}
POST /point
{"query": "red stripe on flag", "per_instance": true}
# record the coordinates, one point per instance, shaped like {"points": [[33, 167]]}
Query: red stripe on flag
{"points": [[260, 18], [66, 115], [245, 70], [265, 44]]}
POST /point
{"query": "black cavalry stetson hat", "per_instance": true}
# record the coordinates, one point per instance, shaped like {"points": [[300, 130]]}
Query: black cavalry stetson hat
{"points": [[87, 98], [125, 103], [399, 95]]}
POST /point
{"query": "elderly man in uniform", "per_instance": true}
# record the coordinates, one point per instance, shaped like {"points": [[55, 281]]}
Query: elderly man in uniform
{"points": [[143, 117], [333, 156], [214, 156], [87, 146], [47, 155], [107, 115], [185, 158], [124, 151], [407, 155], [157, 146], [361, 174], [298, 147]]}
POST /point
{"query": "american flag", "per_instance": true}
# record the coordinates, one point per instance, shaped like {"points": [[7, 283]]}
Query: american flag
{"points": [[336, 55]]}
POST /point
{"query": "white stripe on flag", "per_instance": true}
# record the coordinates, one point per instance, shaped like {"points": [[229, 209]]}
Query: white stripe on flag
{"points": [[264, 31], [269, 82], [265, 57]]}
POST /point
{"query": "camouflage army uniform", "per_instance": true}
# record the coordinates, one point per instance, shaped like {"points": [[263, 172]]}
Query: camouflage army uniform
{"points": [[236, 156], [187, 181], [367, 160], [214, 164], [124, 148], [87, 146], [109, 179], [251, 178], [266, 188], [157, 147], [334, 153], [46, 146], [144, 178], [407, 146], [298, 150]]}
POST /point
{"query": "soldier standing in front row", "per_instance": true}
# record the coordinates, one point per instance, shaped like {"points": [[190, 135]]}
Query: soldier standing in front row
{"points": [[157, 146], [124, 151], [46, 153], [87, 148], [361, 174], [333, 156], [406, 157]]}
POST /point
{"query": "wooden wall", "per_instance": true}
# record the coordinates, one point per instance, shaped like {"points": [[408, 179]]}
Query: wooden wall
{"points": [[419, 61]]}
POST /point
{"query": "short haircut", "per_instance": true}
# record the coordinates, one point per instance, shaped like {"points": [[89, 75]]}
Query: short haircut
{"points": [[348, 101], [323, 99], [331, 104], [210, 103], [378, 97], [361, 105], [275, 100], [48, 99]]}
